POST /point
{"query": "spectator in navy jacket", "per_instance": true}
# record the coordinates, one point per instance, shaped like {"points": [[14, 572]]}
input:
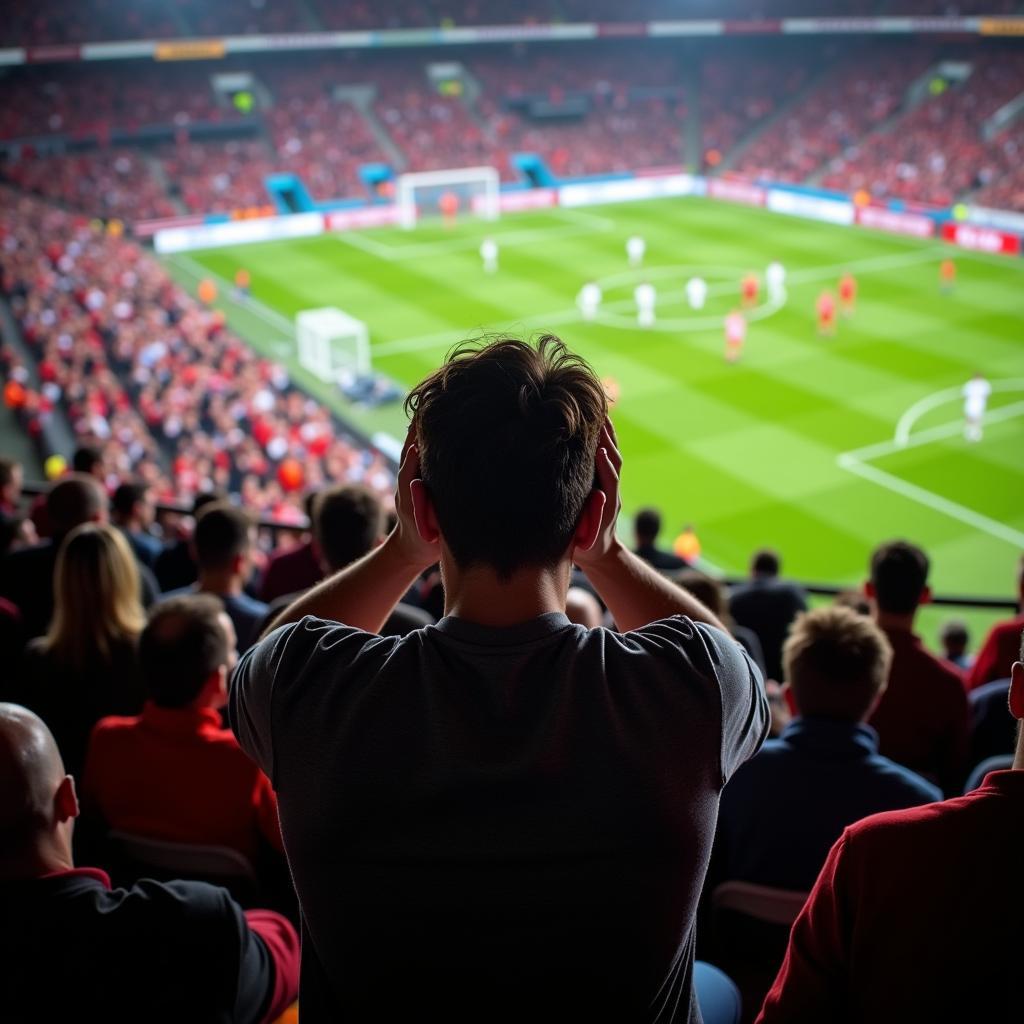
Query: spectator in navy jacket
{"points": [[131, 511], [224, 543], [768, 606], [785, 808], [916, 915]]}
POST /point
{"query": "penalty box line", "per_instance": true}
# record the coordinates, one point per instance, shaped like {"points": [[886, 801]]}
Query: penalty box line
{"points": [[858, 463]]}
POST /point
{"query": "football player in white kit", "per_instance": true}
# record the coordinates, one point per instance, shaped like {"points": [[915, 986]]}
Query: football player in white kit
{"points": [[588, 300], [635, 249], [696, 292], [489, 254], [975, 392], [646, 298], [775, 277]]}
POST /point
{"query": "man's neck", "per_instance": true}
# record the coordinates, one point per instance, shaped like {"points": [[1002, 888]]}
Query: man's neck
{"points": [[39, 861], [479, 596], [893, 622], [221, 584]]}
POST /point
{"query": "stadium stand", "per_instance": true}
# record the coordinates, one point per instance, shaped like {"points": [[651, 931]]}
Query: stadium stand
{"points": [[855, 97], [174, 398], [936, 153]]}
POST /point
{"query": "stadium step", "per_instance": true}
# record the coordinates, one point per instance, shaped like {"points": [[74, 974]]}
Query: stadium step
{"points": [[361, 97], [782, 111]]}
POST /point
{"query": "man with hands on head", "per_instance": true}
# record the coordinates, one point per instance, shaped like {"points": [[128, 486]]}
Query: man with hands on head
{"points": [[505, 815]]}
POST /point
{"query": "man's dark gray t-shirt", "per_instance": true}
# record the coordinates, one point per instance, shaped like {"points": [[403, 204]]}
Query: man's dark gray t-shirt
{"points": [[498, 824]]}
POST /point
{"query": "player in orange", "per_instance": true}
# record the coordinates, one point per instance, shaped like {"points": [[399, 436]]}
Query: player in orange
{"points": [[735, 335], [826, 314], [242, 282], [449, 207], [847, 294], [947, 276], [749, 288]]}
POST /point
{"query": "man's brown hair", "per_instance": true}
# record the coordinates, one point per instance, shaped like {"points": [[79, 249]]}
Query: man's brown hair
{"points": [[183, 644], [223, 532], [837, 663], [347, 522], [507, 435]]}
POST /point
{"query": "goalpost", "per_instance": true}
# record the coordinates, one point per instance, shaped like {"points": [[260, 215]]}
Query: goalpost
{"points": [[332, 344], [420, 193]]}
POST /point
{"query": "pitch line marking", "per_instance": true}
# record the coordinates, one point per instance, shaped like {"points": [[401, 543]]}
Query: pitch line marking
{"points": [[857, 461], [936, 502], [933, 401]]}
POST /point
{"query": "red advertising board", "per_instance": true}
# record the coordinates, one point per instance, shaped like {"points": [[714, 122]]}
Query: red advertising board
{"points": [[984, 239]]}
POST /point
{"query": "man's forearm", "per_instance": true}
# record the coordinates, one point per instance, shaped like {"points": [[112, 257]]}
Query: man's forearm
{"points": [[637, 594], [362, 594]]}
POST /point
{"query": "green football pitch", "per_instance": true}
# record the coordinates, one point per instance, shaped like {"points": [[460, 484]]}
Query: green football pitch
{"points": [[819, 447]]}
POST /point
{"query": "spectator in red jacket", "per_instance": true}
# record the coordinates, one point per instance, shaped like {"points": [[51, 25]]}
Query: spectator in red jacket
{"points": [[922, 719], [172, 772], [73, 948], [916, 914], [1000, 646]]}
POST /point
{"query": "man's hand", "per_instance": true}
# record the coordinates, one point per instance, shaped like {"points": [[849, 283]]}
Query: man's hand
{"points": [[635, 593], [608, 465], [406, 539]]}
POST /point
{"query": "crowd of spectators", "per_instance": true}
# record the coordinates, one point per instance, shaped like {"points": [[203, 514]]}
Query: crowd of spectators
{"points": [[114, 183], [937, 152], [737, 92], [607, 110], [218, 177], [619, 717], [155, 379], [853, 98]]}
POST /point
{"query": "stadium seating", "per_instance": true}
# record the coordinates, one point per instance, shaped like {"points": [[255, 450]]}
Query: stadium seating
{"points": [[852, 99], [611, 108], [935, 153], [155, 378]]}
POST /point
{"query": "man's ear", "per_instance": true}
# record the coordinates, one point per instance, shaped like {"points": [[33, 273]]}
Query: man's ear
{"points": [[423, 512], [65, 800], [869, 590], [926, 595], [1017, 690], [790, 698], [588, 528]]}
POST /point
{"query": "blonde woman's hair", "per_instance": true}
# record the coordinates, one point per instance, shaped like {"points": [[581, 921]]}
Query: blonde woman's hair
{"points": [[96, 601]]}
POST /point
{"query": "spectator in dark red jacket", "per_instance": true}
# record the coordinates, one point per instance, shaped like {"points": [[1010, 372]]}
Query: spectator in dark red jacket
{"points": [[294, 569], [73, 948], [1000, 647], [916, 914], [922, 719]]}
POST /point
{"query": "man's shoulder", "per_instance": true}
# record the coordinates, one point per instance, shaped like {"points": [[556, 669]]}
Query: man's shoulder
{"points": [[1008, 628], [941, 672], [246, 605], [915, 827], [900, 779]]}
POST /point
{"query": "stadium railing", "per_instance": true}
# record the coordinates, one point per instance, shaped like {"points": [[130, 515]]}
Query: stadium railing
{"points": [[274, 528]]}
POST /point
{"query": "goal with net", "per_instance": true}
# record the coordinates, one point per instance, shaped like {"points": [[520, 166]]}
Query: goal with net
{"points": [[472, 190], [332, 344]]}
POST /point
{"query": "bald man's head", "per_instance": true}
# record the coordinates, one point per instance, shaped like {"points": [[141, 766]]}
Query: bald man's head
{"points": [[31, 778]]}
